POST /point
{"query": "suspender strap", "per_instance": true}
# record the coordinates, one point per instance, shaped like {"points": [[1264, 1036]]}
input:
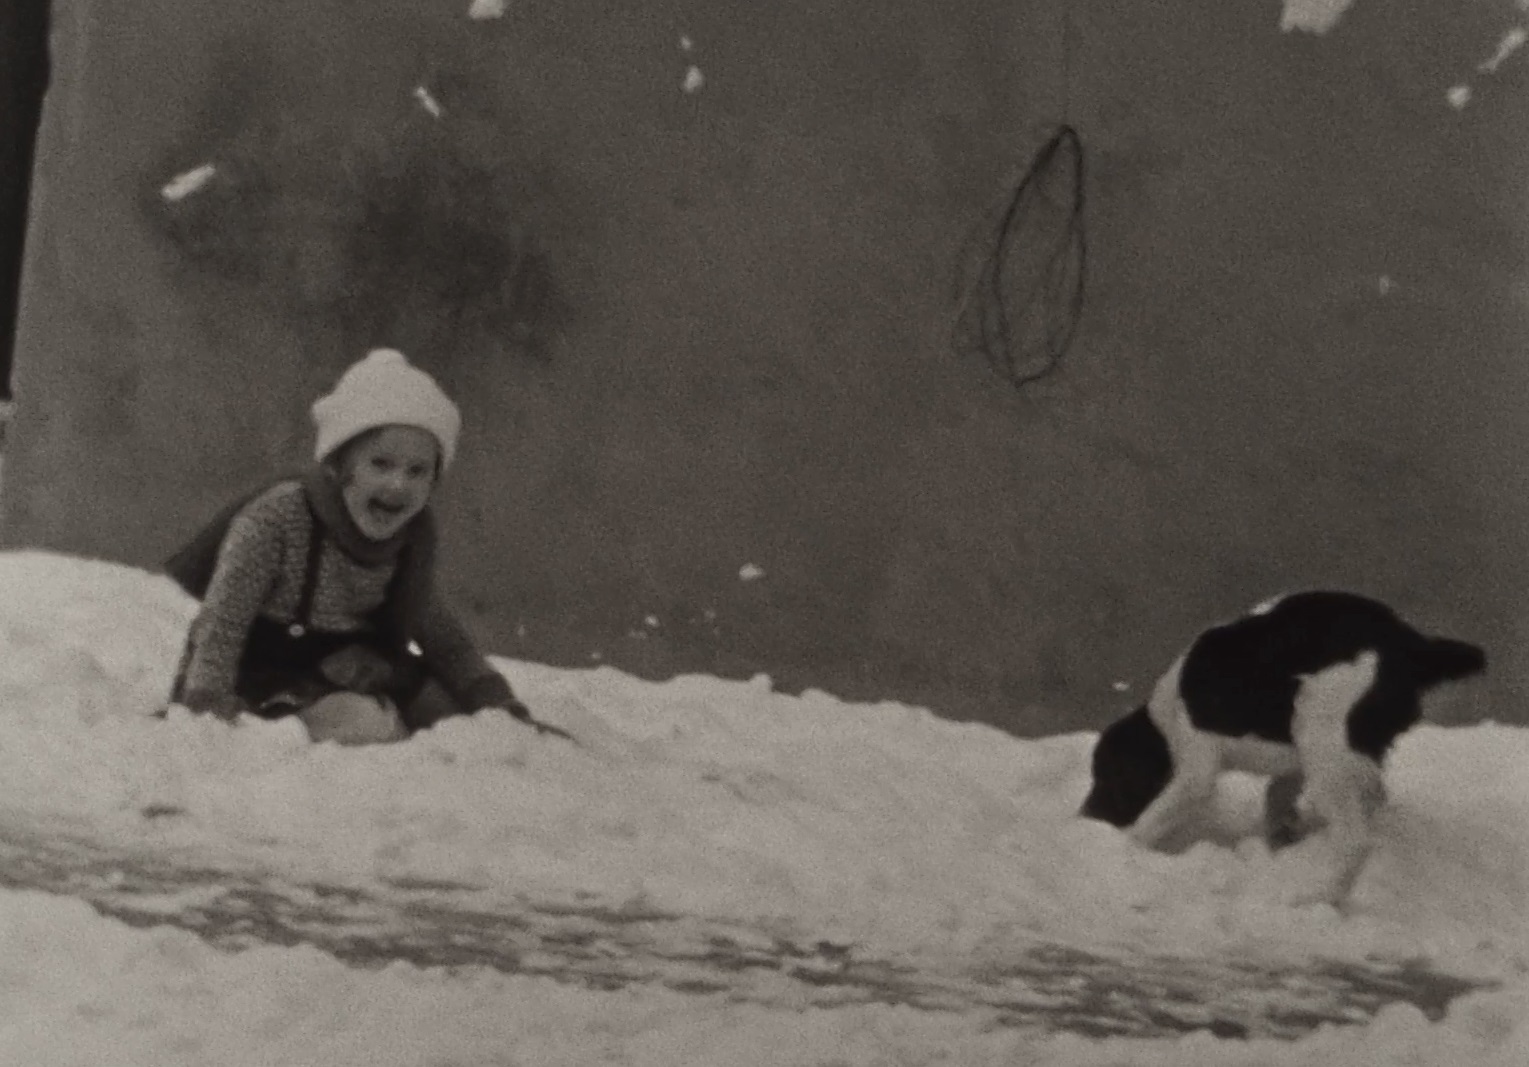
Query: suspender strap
{"points": [[303, 620]]}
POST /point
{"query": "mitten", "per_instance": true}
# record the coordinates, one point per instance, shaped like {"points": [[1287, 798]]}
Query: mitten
{"points": [[518, 710]]}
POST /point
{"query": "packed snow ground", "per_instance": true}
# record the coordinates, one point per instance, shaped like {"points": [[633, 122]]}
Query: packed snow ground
{"points": [[878, 825]]}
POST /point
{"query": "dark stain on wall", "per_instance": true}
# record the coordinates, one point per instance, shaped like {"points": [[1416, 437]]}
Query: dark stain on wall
{"points": [[381, 218]]}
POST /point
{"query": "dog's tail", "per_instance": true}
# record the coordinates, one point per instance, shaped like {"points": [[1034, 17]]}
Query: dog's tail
{"points": [[1443, 659]]}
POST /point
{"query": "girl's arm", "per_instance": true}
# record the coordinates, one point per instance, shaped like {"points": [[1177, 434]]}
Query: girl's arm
{"points": [[249, 563], [454, 659]]}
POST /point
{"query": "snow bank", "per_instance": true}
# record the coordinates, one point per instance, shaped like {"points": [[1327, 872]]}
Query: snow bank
{"points": [[76, 989], [880, 824]]}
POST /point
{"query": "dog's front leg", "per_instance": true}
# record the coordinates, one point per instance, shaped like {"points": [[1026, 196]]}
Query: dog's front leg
{"points": [[1195, 757], [1192, 786]]}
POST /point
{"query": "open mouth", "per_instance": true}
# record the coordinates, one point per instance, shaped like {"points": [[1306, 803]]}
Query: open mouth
{"points": [[385, 512]]}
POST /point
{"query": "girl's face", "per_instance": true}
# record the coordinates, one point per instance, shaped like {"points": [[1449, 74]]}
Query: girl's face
{"points": [[388, 476]]}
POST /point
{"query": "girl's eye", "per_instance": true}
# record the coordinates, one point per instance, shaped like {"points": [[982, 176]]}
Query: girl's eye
{"points": [[419, 470]]}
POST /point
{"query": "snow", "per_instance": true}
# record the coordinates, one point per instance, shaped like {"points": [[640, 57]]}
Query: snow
{"points": [[427, 101], [486, 9], [880, 826], [1313, 16], [1511, 42], [183, 185]]}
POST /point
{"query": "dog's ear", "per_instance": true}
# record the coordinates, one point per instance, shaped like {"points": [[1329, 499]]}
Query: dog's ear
{"points": [[1131, 765]]}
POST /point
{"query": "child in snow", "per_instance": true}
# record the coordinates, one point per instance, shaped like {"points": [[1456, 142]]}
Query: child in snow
{"points": [[318, 594]]}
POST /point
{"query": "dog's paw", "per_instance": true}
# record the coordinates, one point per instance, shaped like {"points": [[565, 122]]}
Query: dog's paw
{"points": [[1151, 840], [1285, 833], [1276, 889], [1303, 874]]}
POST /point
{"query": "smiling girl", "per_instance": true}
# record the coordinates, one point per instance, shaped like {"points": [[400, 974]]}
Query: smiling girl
{"points": [[318, 594]]}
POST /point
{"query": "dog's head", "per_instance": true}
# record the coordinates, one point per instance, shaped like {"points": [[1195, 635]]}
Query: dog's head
{"points": [[1131, 766]]}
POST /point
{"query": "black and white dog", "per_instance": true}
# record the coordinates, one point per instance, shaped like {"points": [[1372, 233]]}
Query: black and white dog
{"points": [[1311, 689]]}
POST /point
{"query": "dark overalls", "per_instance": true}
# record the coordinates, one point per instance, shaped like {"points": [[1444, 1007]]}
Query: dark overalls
{"points": [[285, 667]]}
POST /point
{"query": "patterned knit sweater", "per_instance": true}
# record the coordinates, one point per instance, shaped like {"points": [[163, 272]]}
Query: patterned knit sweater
{"points": [[260, 572]]}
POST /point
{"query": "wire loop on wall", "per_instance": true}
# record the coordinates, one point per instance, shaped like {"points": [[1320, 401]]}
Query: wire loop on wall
{"points": [[1021, 307]]}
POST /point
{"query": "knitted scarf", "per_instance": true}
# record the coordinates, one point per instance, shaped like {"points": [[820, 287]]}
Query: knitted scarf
{"points": [[413, 547]]}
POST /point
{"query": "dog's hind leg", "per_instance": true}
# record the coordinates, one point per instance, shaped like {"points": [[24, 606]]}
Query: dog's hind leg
{"points": [[1282, 816], [1344, 787], [1347, 797]]}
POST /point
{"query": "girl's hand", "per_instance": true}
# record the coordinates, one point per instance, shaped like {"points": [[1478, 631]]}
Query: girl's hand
{"points": [[518, 710], [514, 709]]}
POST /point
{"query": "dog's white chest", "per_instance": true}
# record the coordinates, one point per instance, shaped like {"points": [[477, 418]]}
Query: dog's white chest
{"points": [[1255, 755]]}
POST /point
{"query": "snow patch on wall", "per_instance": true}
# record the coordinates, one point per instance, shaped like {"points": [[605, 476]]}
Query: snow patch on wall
{"points": [[1313, 16]]}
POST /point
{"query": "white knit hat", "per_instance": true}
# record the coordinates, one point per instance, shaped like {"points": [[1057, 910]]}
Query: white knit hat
{"points": [[385, 389]]}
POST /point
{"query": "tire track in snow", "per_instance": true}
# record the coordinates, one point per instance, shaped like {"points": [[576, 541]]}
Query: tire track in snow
{"points": [[1049, 987]]}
